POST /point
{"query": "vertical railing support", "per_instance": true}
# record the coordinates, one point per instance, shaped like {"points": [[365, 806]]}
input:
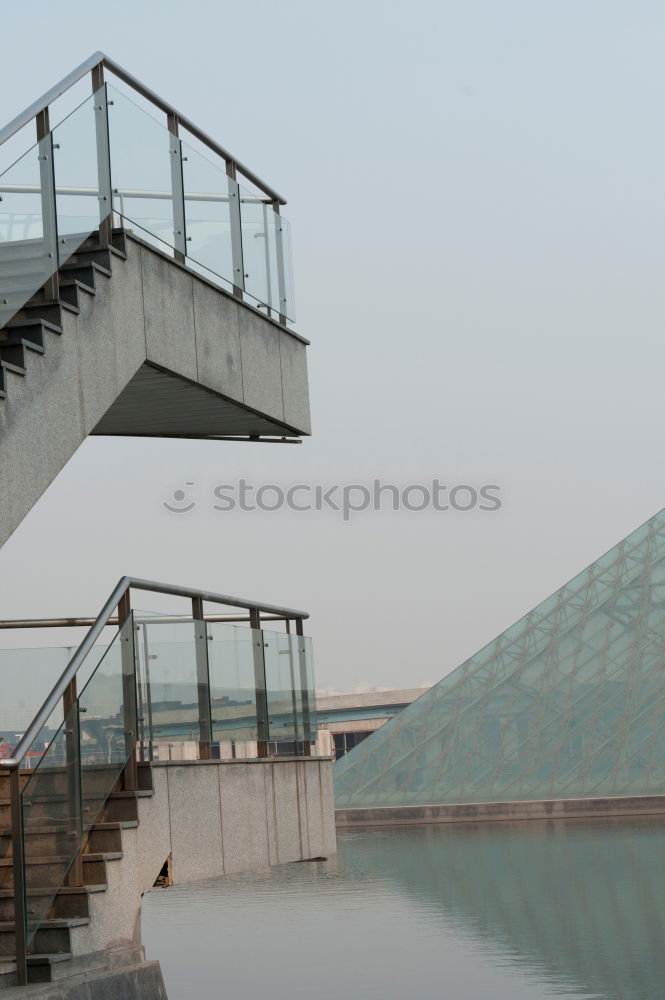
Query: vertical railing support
{"points": [[147, 708], [294, 689], [103, 156], [73, 766], [282, 307], [178, 190], [130, 773], [236, 231], [49, 214], [261, 695], [18, 872], [202, 679], [304, 691]]}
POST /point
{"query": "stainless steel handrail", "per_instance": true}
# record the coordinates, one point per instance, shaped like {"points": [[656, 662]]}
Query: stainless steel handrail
{"points": [[19, 623], [100, 59], [125, 584], [129, 193]]}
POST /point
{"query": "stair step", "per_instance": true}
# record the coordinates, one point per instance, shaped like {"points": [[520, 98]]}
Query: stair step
{"points": [[85, 272], [50, 310], [13, 350], [70, 290], [99, 254], [48, 871], [43, 968], [9, 367], [70, 901], [30, 329], [51, 937]]}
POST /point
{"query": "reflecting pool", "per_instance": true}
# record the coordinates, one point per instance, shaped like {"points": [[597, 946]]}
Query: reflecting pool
{"points": [[520, 911]]}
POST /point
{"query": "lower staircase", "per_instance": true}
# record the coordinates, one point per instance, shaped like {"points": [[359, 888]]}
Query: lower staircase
{"points": [[61, 945]]}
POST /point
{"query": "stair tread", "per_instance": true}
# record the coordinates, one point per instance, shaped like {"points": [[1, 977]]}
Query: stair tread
{"points": [[56, 923], [77, 283], [79, 265], [48, 958], [60, 859], [16, 341], [22, 324], [64, 890], [6, 831], [33, 306], [17, 369]]}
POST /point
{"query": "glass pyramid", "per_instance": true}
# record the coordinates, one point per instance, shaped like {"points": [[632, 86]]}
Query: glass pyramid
{"points": [[568, 702]]}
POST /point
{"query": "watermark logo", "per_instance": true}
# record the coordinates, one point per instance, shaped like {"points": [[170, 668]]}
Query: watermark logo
{"points": [[345, 499]]}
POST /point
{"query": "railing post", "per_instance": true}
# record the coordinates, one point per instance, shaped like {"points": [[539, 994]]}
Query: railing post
{"points": [[236, 231], [73, 765], [304, 692], [49, 215], [178, 190], [281, 272], [202, 679], [103, 156], [148, 691], [130, 773], [18, 870], [294, 695], [262, 722]]}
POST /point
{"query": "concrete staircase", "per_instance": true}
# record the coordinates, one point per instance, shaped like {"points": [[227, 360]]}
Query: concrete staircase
{"points": [[39, 324], [57, 951]]}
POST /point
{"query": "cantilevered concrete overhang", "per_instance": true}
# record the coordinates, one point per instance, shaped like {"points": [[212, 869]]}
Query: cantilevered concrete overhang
{"points": [[208, 364], [155, 350]]}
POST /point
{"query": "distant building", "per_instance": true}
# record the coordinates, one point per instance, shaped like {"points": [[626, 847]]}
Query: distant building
{"points": [[344, 720]]}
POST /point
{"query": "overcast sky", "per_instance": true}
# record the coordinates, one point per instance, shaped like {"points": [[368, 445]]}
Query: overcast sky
{"points": [[476, 198]]}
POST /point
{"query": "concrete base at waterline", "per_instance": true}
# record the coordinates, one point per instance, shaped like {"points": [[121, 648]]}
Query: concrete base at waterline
{"points": [[484, 812], [142, 981]]}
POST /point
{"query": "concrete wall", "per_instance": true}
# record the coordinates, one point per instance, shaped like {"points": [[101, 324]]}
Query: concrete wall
{"points": [[150, 312], [212, 818], [485, 812]]}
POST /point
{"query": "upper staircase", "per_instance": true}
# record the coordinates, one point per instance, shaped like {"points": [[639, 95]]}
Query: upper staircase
{"points": [[144, 290]]}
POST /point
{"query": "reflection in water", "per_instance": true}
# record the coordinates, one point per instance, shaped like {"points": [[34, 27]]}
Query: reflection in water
{"points": [[521, 911]]}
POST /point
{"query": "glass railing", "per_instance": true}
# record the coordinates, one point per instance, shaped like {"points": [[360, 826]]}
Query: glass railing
{"points": [[67, 790], [217, 683], [112, 156], [50, 204]]}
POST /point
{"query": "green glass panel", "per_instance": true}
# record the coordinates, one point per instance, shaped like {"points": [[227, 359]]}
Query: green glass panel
{"points": [[51, 821], [141, 155], [283, 693], [106, 741], [233, 681], [78, 205], [207, 212], [266, 250], [168, 690], [568, 702], [25, 263], [72, 778]]}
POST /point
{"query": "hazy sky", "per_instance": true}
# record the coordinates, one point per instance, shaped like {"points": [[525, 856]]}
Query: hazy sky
{"points": [[476, 198]]}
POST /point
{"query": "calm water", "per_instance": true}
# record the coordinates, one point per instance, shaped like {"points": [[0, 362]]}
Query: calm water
{"points": [[522, 912]]}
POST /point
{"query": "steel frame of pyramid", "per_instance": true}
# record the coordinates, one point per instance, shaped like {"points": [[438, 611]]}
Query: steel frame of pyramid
{"points": [[568, 702]]}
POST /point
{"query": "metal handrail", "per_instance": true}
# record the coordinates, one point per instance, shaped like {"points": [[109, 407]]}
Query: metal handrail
{"points": [[100, 59], [125, 584], [130, 193]]}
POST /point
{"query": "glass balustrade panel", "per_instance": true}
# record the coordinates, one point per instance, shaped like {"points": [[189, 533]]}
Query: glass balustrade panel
{"points": [[78, 199], [142, 167], [26, 255]]}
